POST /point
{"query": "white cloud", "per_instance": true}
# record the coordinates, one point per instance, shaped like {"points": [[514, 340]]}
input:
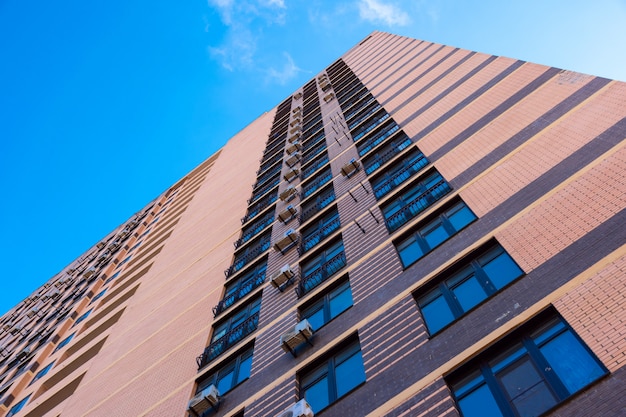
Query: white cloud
{"points": [[225, 8], [237, 51], [288, 72], [376, 11], [276, 3]]}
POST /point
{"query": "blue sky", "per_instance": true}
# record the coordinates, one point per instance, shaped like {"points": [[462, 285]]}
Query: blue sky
{"points": [[104, 104]]}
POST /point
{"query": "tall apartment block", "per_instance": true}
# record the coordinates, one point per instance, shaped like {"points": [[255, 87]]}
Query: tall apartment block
{"points": [[419, 230]]}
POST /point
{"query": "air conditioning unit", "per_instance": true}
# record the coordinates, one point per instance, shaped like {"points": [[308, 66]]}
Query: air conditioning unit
{"points": [[297, 95], [294, 138], [297, 335], [23, 354], [329, 97], [32, 312], [295, 147], [299, 409], [114, 245], [290, 239], [204, 400], [281, 278], [294, 122], [293, 159], [289, 213], [100, 245], [55, 294], [16, 329], [292, 174], [297, 110], [289, 193], [90, 272], [349, 169], [70, 271]]}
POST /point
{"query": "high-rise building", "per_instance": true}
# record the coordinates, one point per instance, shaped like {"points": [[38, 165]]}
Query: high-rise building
{"points": [[419, 230]]}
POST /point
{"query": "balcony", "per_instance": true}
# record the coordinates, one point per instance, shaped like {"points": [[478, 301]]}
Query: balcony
{"points": [[243, 258], [259, 192], [243, 288], [387, 153], [417, 204], [354, 106], [369, 111], [267, 175], [309, 170], [310, 209], [399, 174], [250, 231], [315, 184], [269, 163], [313, 152], [378, 138], [369, 126], [231, 338], [310, 240], [259, 206], [321, 273]]}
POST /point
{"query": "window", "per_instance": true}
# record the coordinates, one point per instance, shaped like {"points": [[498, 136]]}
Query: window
{"points": [[81, 318], [98, 296], [124, 261], [64, 342], [42, 372], [17, 407], [314, 165], [528, 373], [395, 175], [328, 306], [430, 235], [320, 229], [415, 199], [474, 281], [241, 287], [111, 278], [229, 375], [321, 267], [232, 330], [380, 136], [312, 206], [250, 252], [334, 378]]}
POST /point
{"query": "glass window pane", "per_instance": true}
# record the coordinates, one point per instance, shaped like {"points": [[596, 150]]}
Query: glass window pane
{"points": [[244, 369], [460, 216], [349, 374], [435, 234], [317, 395], [340, 301], [225, 382], [469, 293], [410, 251], [437, 314], [315, 317], [571, 362], [526, 388], [479, 403], [501, 270]]}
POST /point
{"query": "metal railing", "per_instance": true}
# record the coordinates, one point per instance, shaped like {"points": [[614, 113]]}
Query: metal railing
{"points": [[267, 176], [259, 206], [321, 273], [357, 121], [315, 165], [242, 260], [417, 205], [310, 187], [322, 201], [231, 338], [244, 288], [311, 240], [355, 107], [255, 228], [378, 138], [313, 152], [259, 192], [400, 176], [269, 163], [373, 124]]}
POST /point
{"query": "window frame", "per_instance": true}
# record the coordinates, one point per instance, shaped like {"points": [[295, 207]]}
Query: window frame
{"points": [[523, 346], [470, 266], [323, 303], [234, 363]]}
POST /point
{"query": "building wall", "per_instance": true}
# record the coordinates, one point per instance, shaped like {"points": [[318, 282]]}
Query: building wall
{"points": [[536, 153]]}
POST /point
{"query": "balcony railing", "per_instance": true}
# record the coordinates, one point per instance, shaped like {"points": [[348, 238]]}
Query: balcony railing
{"points": [[311, 240], [267, 175], [259, 206], [384, 155], [231, 338], [322, 201], [417, 205], [242, 260], [310, 187], [315, 165], [354, 106], [321, 273], [308, 123], [264, 189], [269, 163], [244, 288], [361, 117], [378, 138], [399, 177], [308, 143], [373, 124], [311, 154], [255, 228]]}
